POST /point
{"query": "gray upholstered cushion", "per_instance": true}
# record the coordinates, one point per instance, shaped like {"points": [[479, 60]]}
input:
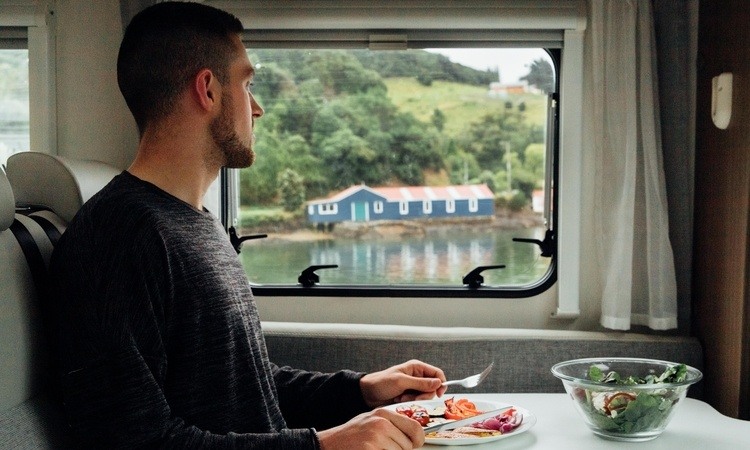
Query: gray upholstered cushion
{"points": [[523, 358]]}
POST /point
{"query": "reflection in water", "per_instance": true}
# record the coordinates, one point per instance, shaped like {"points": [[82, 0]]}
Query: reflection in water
{"points": [[443, 258]]}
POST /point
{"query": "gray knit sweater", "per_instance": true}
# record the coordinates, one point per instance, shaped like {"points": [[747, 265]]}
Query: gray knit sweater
{"points": [[158, 339]]}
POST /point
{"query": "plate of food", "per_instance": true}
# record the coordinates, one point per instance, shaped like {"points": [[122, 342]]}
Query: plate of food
{"points": [[511, 422]]}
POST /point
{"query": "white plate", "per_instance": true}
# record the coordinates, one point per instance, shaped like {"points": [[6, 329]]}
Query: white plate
{"points": [[529, 420]]}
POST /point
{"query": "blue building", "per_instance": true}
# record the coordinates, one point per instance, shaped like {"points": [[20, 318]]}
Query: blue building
{"points": [[362, 203]]}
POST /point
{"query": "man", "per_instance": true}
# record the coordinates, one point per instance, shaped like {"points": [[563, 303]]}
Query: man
{"points": [[157, 336]]}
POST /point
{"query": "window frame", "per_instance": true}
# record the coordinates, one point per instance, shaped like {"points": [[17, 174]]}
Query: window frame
{"points": [[400, 290], [39, 22], [562, 21], [403, 207]]}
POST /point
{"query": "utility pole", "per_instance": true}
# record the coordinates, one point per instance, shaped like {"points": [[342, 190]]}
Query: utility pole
{"points": [[507, 165]]}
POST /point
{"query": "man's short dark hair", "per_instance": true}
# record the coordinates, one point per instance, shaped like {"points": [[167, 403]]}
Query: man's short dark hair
{"points": [[164, 47]]}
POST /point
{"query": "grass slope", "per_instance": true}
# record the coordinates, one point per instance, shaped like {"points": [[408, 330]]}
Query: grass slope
{"points": [[462, 104]]}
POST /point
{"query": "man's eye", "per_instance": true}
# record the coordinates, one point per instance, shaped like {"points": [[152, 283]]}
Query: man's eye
{"points": [[249, 87]]}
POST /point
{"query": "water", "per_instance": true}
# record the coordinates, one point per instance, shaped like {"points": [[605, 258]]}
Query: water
{"points": [[441, 257]]}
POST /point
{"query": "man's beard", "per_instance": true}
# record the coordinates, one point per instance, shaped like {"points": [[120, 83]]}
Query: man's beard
{"points": [[230, 150]]}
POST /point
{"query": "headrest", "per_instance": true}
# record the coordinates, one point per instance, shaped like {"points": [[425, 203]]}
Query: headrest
{"points": [[60, 184], [7, 202]]}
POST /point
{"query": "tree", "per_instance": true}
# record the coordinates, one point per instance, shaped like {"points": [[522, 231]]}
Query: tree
{"points": [[291, 190], [341, 73], [496, 133], [272, 83], [462, 167], [413, 148], [425, 79], [541, 75], [488, 178], [258, 183], [534, 162], [349, 160]]}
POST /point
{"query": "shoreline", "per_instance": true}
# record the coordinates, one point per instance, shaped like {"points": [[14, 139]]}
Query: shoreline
{"points": [[394, 229]]}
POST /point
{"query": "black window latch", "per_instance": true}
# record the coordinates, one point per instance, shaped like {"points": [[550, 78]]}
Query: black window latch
{"points": [[308, 277], [474, 279]]}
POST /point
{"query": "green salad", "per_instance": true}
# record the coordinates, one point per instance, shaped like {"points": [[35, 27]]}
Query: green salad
{"points": [[630, 411]]}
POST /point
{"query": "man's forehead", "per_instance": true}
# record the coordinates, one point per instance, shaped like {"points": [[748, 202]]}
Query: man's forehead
{"points": [[242, 61], [243, 66]]}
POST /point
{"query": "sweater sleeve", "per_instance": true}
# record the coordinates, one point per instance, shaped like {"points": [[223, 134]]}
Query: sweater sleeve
{"points": [[319, 400], [117, 403]]}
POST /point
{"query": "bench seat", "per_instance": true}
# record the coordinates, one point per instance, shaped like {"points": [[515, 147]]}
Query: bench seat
{"points": [[523, 358]]}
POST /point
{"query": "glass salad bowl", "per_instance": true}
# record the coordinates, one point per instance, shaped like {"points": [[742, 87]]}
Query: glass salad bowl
{"points": [[626, 399]]}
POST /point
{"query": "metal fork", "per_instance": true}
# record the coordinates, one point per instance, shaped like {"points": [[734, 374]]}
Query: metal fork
{"points": [[472, 381]]}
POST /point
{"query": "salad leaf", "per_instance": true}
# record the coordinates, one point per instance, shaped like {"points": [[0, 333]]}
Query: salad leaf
{"points": [[674, 374], [631, 412]]}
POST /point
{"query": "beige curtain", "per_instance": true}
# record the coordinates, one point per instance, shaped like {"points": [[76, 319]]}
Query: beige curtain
{"points": [[622, 144]]}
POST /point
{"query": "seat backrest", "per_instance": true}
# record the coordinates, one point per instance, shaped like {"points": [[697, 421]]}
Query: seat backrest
{"points": [[21, 347], [59, 187], [58, 184]]}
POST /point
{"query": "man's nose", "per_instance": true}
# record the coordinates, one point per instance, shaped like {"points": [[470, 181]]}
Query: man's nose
{"points": [[255, 107]]}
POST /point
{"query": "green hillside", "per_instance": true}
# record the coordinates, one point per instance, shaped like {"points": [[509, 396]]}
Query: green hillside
{"points": [[462, 104], [332, 120]]}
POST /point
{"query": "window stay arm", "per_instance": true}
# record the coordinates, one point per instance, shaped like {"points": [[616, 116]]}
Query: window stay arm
{"points": [[238, 240], [548, 246]]}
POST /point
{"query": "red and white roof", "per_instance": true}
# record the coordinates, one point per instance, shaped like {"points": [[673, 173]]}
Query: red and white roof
{"points": [[416, 193]]}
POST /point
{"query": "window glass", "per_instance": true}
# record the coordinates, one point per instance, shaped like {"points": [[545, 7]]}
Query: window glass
{"points": [[406, 167], [14, 102]]}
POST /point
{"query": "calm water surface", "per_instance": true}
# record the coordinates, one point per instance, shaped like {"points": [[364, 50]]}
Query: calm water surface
{"points": [[439, 258]]}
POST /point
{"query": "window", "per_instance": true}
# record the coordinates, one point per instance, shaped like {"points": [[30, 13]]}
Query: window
{"points": [[14, 93], [434, 126], [27, 86], [310, 67], [328, 209]]}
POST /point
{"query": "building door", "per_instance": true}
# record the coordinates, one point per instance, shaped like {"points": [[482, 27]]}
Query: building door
{"points": [[360, 212]]}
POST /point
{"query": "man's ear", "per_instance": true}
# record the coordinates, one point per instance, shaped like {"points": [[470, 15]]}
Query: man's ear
{"points": [[207, 89]]}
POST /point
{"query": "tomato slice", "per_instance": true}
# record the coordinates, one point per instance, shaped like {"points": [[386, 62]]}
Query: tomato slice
{"points": [[422, 417], [460, 409]]}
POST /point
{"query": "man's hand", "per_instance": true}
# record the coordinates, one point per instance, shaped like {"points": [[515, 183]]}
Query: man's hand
{"points": [[378, 429], [412, 380]]}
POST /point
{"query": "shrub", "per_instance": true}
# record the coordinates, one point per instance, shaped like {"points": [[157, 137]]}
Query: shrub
{"points": [[518, 201], [291, 190]]}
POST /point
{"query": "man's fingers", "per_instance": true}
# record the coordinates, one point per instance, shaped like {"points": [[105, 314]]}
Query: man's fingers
{"points": [[421, 369], [411, 434]]}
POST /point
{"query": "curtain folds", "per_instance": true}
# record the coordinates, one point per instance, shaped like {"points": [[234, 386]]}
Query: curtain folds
{"points": [[622, 140]]}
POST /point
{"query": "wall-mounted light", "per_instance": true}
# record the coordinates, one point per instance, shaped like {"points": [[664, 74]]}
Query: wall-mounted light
{"points": [[721, 100]]}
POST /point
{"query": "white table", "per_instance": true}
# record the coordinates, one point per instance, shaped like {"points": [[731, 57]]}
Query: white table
{"points": [[695, 425]]}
